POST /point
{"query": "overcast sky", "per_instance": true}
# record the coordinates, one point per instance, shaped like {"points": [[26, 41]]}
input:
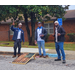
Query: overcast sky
{"points": [[71, 7]]}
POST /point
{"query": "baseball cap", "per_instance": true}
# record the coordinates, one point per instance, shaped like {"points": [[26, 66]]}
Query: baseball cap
{"points": [[39, 23], [20, 24], [56, 22]]}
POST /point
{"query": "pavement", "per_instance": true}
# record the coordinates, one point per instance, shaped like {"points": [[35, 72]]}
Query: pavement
{"points": [[38, 63], [23, 50]]}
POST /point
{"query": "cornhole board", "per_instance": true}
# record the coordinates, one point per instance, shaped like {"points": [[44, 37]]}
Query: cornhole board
{"points": [[24, 58]]}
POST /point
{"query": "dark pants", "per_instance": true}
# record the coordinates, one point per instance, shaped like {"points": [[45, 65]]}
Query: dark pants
{"points": [[17, 43]]}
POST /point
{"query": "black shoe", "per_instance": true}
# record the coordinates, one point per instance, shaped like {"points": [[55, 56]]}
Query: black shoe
{"points": [[57, 60], [14, 56], [40, 55], [63, 61], [44, 56]]}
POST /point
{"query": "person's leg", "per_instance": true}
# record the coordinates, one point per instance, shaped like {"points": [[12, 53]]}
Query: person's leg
{"points": [[15, 47], [43, 47], [39, 46], [62, 49], [57, 50], [19, 47]]}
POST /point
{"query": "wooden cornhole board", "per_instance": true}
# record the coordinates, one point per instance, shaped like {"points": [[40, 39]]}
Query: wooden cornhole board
{"points": [[24, 58]]}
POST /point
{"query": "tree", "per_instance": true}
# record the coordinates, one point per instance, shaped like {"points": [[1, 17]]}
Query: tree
{"points": [[37, 12], [34, 12]]}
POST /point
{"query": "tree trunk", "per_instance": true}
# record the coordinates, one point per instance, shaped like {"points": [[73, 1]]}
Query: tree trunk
{"points": [[33, 20], [27, 27], [30, 39]]}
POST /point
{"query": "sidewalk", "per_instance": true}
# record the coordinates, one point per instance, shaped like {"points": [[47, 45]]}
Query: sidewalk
{"points": [[23, 50], [70, 55]]}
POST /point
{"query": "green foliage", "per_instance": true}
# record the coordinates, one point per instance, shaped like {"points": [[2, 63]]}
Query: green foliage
{"points": [[9, 11], [34, 12], [70, 34], [71, 37]]}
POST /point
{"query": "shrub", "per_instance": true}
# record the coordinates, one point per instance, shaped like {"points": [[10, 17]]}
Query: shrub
{"points": [[46, 38], [71, 37]]}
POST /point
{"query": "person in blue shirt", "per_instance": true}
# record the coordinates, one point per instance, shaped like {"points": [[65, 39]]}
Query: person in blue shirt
{"points": [[18, 37], [40, 34]]}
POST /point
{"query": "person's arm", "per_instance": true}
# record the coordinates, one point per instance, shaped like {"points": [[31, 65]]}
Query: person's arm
{"points": [[63, 31], [12, 27], [36, 36], [45, 32], [23, 37], [53, 35]]}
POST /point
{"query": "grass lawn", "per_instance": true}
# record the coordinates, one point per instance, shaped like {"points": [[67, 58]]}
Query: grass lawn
{"points": [[49, 45]]}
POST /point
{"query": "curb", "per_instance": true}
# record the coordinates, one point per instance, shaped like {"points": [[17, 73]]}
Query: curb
{"points": [[10, 53], [7, 53]]}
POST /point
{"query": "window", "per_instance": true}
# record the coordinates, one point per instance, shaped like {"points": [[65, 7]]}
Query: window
{"points": [[49, 27], [11, 32]]}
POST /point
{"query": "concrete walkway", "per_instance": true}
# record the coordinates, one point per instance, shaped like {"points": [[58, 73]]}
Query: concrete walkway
{"points": [[70, 55], [10, 49]]}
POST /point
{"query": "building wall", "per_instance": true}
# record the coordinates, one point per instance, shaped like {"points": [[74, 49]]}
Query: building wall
{"points": [[68, 25], [4, 32], [4, 27]]}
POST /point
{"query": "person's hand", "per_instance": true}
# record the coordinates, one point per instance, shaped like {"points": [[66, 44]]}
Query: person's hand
{"points": [[13, 23], [52, 34], [35, 42], [42, 35], [23, 43], [58, 34]]}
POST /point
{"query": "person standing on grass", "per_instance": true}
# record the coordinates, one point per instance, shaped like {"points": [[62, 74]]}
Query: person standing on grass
{"points": [[18, 37], [59, 41], [40, 34]]}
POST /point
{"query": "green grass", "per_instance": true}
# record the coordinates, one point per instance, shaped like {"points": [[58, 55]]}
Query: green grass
{"points": [[67, 46]]}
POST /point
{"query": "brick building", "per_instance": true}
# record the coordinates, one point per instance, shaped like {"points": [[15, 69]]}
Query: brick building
{"points": [[69, 25]]}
